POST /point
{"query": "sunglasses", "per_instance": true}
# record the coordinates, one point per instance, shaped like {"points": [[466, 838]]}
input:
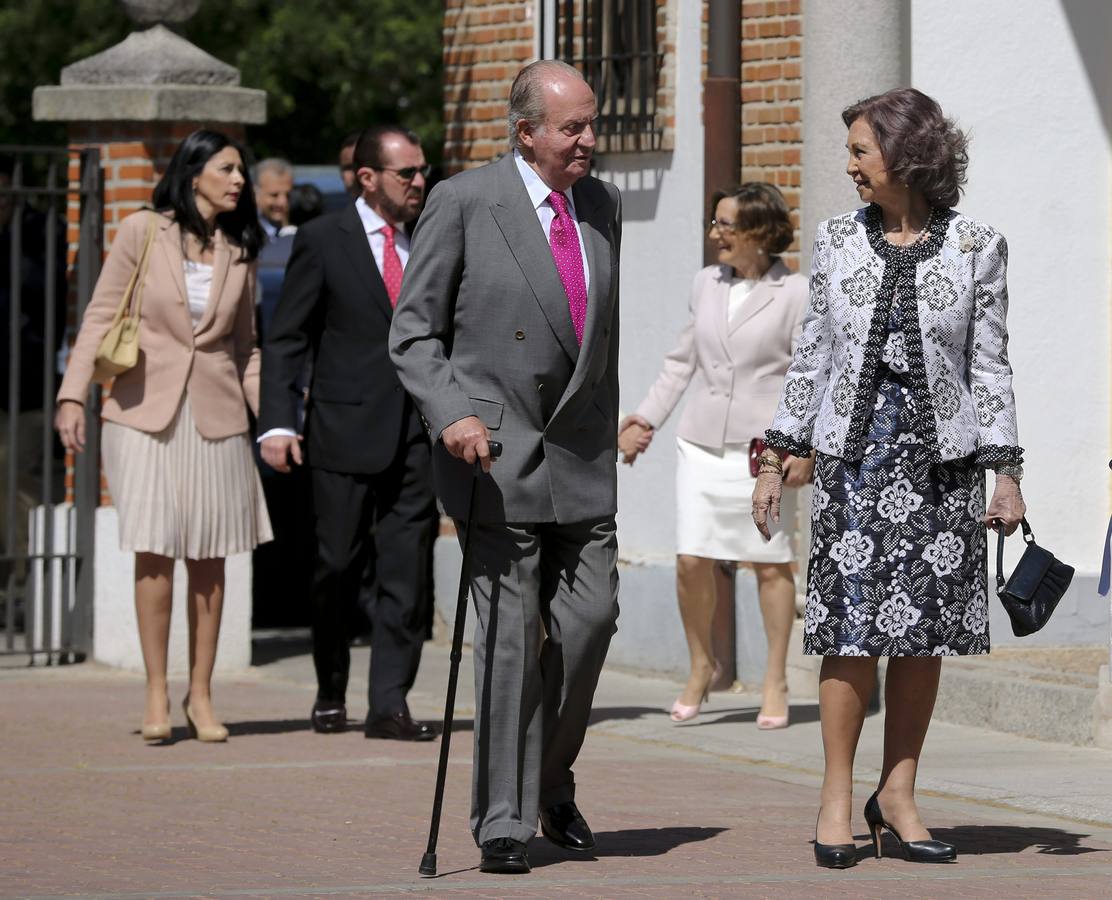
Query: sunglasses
{"points": [[408, 173]]}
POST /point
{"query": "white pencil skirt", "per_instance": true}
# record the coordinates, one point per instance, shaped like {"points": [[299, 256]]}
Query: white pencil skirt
{"points": [[714, 503], [180, 495]]}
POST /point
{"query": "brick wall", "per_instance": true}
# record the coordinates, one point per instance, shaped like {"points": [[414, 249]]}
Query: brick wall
{"points": [[772, 100], [133, 157], [486, 42]]}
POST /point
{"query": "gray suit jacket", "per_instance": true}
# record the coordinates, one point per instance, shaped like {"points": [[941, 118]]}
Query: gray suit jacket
{"points": [[482, 328]]}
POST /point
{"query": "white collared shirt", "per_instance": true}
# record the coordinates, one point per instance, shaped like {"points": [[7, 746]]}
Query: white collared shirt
{"points": [[372, 225], [538, 193]]}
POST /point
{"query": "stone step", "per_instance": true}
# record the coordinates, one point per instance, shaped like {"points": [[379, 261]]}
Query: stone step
{"points": [[1053, 694]]}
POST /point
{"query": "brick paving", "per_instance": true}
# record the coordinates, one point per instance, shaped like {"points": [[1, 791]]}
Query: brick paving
{"points": [[87, 810]]}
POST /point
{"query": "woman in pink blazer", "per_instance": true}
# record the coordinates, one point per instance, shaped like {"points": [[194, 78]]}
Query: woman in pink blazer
{"points": [[730, 360], [175, 436]]}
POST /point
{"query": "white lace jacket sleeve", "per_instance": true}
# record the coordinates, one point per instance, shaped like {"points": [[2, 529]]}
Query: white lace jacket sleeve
{"points": [[805, 383], [990, 373]]}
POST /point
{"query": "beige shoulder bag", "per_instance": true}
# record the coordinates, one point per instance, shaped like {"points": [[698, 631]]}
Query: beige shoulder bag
{"points": [[119, 350]]}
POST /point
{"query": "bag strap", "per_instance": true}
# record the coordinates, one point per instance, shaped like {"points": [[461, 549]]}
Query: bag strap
{"points": [[140, 274], [1028, 536]]}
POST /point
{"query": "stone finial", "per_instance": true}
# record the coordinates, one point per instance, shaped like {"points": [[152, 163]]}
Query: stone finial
{"points": [[154, 56], [152, 12]]}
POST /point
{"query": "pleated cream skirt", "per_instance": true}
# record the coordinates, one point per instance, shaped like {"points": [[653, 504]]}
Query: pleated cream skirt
{"points": [[714, 507], [180, 495]]}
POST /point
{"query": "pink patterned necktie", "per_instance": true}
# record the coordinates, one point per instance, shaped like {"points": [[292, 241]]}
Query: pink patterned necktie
{"points": [[391, 266], [564, 241]]}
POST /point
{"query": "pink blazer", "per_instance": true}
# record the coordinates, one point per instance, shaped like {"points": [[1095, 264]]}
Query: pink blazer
{"points": [[217, 366], [735, 369]]}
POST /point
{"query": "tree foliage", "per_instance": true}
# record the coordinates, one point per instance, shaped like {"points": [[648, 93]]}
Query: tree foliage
{"points": [[328, 67]]}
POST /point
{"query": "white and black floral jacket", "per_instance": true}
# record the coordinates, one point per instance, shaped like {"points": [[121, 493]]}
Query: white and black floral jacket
{"points": [[951, 296]]}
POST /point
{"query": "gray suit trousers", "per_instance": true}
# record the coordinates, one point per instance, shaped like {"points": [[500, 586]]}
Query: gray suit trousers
{"points": [[546, 599]]}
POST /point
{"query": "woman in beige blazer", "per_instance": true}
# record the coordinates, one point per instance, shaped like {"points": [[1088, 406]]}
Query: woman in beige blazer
{"points": [[730, 360], [175, 444]]}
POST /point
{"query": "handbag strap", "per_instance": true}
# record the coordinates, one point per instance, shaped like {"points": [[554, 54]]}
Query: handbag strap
{"points": [[137, 275], [1028, 536]]}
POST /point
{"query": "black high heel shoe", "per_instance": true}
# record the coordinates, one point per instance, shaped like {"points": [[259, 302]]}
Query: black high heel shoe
{"points": [[913, 851], [834, 856]]}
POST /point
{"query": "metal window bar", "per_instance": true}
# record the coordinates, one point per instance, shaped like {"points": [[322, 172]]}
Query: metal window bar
{"points": [[613, 43], [43, 636]]}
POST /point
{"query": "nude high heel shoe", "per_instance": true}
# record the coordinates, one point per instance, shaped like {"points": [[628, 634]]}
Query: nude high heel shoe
{"points": [[159, 731], [209, 734], [770, 723]]}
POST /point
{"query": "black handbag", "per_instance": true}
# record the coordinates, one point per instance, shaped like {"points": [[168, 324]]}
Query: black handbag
{"points": [[1037, 583]]}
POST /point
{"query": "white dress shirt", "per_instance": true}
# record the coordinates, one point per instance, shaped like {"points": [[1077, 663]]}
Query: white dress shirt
{"points": [[372, 224], [538, 194]]}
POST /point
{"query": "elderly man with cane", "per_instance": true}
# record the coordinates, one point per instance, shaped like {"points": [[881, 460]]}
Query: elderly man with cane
{"points": [[508, 329]]}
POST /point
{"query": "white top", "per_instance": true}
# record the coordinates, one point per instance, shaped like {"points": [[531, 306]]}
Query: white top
{"points": [[740, 288], [373, 224], [538, 194], [198, 286]]}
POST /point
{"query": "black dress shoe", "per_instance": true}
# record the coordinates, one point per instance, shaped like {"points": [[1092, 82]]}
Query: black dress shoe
{"points": [[504, 856], [328, 717], [565, 826], [398, 727]]}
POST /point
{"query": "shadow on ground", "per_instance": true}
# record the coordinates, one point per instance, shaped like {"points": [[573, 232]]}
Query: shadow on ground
{"points": [[628, 842], [981, 839]]}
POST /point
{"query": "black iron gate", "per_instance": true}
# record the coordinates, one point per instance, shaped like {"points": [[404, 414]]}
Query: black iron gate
{"points": [[46, 570]]}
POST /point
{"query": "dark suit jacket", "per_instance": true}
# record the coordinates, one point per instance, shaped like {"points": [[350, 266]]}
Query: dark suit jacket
{"points": [[483, 328], [334, 305]]}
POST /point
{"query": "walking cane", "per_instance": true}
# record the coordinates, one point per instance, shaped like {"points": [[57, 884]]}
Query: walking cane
{"points": [[428, 861]]}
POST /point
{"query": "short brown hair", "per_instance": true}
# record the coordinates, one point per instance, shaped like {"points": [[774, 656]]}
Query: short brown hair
{"points": [[368, 146], [921, 147], [762, 215]]}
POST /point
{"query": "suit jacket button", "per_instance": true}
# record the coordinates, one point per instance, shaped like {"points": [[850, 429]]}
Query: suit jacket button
{"points": [[520, 335]]}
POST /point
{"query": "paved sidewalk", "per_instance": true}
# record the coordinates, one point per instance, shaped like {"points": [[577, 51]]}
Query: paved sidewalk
{"points": [[713, 808]]}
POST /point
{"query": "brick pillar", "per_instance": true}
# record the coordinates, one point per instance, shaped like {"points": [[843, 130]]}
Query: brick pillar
{"points": [[486, 42], [772, 101]]}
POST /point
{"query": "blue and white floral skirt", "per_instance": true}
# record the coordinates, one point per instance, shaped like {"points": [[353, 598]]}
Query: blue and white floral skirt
{"points": [[898, 546]]}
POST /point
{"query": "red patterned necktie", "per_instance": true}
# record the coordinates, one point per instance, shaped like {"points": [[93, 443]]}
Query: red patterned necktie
{"points": [[566, 253], [391, 266]]}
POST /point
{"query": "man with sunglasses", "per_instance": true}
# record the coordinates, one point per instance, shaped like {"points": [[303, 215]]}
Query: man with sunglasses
{"points": [[367, 451]]}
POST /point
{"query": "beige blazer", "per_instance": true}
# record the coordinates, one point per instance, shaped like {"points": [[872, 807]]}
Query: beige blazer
{"points": [[735, 369], [217, 365]]}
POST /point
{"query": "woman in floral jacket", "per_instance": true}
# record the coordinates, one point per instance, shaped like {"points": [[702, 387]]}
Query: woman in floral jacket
{"points": [[901, 382]]}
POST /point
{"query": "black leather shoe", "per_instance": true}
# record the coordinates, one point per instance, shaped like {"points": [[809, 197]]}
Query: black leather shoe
{"points": [[504, 856], [565, 826], [398, 727], [328, 717], [835, 856], [913, 851]]}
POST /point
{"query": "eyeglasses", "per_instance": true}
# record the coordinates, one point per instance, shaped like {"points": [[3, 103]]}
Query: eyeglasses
{"points": [[408, 173], [722, 225]]}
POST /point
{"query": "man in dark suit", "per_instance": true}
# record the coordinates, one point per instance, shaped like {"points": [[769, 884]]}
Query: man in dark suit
{"points": [[509, 327], [366, 448]]}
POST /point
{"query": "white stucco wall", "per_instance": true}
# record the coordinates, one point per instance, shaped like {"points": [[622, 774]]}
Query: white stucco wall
{"points": [[1032, 80]]}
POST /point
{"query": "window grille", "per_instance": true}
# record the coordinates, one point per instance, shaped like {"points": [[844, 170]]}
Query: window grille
{"points": [[614, 44]]}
